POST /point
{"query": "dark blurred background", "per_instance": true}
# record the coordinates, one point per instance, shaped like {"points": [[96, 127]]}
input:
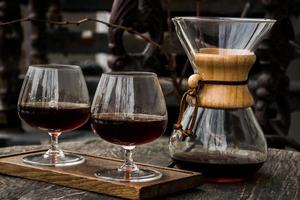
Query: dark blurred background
{"points": [[274, 80]]}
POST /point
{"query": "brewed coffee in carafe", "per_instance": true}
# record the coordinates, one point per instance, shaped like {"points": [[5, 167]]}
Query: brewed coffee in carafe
{"points": [[217, 132]]}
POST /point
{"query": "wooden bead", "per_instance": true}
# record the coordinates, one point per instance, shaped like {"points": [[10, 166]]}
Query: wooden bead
{"points": [[194, 80]]}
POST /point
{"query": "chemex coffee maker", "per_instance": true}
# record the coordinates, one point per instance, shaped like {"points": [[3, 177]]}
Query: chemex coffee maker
{"points": [[217, 132]]}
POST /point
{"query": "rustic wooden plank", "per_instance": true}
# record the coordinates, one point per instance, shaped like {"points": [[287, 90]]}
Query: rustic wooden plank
{"points": [[82, 176], [278, 179]]}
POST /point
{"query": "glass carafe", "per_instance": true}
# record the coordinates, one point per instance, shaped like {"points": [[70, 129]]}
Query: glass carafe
{"points": [[217, 132]]}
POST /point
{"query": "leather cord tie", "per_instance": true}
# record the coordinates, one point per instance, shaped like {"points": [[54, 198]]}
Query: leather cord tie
{"points": [[196, 84], [183, 103]]}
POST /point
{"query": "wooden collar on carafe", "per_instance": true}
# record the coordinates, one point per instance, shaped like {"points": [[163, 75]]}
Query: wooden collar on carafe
{"points": [[195, 84]]}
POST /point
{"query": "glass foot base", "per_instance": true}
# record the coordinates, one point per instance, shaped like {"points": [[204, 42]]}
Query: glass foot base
{"points": [[54, 161], [141, 175]]}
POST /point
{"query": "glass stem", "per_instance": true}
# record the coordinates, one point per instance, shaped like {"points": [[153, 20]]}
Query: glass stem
{"points": [[128, 165], [54, 149]]}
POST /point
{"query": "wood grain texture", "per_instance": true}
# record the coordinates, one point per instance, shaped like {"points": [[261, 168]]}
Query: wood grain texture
{"points": [[278, 178], [82, 176], [224, 65]]}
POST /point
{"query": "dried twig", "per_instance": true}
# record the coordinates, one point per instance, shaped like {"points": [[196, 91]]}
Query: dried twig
{"points": [[80, 21], [295, 45], [171, 61], [247, 8]]}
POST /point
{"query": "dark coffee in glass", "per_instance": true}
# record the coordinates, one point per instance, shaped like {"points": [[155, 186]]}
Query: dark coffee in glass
{"points": [[129, 109]]}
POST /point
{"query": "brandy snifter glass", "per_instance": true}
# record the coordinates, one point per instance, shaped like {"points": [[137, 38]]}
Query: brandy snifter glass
{"points": [[54, 98], [128, 110]]}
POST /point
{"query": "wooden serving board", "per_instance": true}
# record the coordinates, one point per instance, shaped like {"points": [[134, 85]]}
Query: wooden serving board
{"points": [[82, 176]]}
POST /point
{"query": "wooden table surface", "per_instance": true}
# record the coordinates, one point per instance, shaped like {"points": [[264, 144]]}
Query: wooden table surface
{"points": [[279, 178]]}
